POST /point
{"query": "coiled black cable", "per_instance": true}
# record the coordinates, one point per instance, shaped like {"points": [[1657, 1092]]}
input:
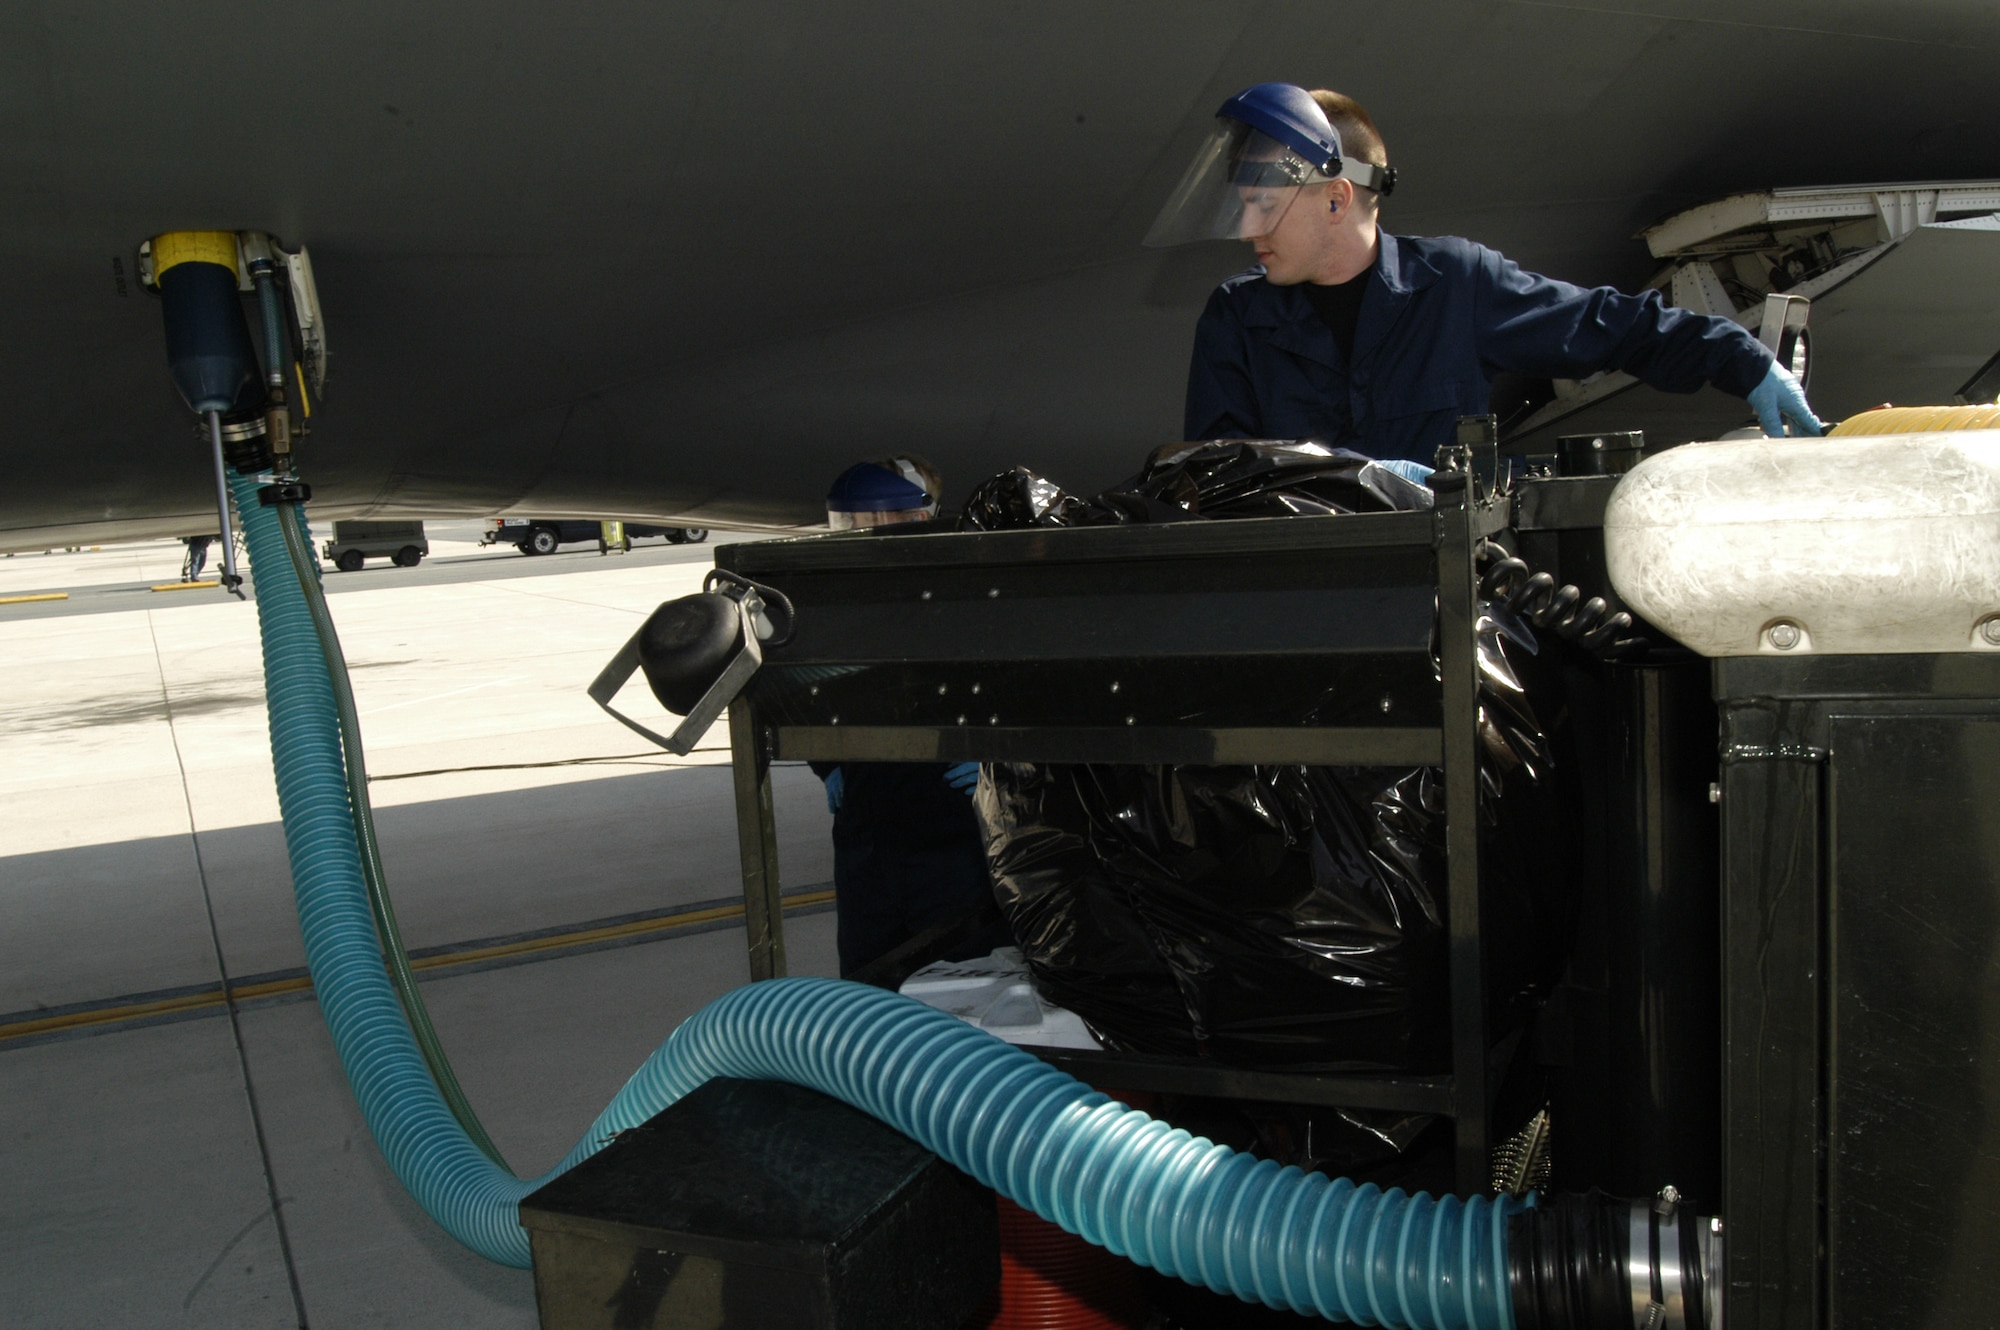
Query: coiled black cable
{"points": [[1590, 624]]}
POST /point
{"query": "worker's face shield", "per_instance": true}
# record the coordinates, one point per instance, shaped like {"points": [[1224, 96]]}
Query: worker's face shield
{"points": [[1240, 185], [842, 520], [878, 494]]}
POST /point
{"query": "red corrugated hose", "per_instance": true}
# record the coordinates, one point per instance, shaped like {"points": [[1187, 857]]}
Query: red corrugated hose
{"points": [[1052, 1280]]}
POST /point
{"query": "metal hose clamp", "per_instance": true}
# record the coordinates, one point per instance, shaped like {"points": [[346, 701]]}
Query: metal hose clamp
{"points": [[1675, 1286]]}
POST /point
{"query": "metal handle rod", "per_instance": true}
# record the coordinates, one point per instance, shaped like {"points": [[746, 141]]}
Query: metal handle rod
{"points": [[1458, 515], [231, 579], [264, 274]]}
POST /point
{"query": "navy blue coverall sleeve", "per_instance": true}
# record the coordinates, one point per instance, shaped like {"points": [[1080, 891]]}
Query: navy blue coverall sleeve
{"points": [[1537, 326], [1221, 400]]}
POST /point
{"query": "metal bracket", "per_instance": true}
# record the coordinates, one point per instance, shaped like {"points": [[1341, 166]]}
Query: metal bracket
{"points": [[1782, 314], [1780, 753], [310, 321], [748, 658], [1783, 330], [1468, 475], [286, 491]]}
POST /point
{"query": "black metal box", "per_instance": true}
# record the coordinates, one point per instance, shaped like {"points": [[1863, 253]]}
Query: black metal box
{"points": [[757, 1205], [1861, 923]]}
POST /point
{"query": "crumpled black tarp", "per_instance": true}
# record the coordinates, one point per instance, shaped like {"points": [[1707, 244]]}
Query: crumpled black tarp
{"points": [[1238, 478], [1272, 915]]}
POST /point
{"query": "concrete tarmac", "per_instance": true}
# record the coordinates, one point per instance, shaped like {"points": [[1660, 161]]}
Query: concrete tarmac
{"points": [[183, 1149]]}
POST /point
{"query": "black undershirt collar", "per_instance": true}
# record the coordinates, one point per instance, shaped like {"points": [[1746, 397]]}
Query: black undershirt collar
{"points": [[1339, 307]]}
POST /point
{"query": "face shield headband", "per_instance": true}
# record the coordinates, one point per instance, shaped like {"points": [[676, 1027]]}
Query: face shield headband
{"points": [[1241, 184]]}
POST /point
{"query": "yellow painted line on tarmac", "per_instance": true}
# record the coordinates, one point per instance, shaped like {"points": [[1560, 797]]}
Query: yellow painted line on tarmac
{"points": [[583, 937], [187, 586], [25, 600], [103, 1016], [132, 1011]]}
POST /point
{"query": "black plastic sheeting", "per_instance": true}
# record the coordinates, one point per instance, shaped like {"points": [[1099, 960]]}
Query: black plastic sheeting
{"points": [[1276, 915], [1262, 478]]}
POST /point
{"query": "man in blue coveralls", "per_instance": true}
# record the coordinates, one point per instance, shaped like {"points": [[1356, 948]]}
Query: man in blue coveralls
{"points": [[1358, 338], [908, 854]]}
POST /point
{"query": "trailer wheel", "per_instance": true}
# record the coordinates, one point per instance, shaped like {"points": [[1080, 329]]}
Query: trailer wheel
{"points": [[407, 557], [350, 561]]}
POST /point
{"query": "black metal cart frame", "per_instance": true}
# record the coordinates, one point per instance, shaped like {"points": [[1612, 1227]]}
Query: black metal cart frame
{"points": [[1129, 645]]}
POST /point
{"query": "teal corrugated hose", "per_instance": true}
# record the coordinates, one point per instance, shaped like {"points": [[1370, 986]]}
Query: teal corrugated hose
{"points": [[1172, 1201], [305, 569]]}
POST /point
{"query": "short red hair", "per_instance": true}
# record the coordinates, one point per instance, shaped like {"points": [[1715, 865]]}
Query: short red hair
{"points": [[1358, 135]]}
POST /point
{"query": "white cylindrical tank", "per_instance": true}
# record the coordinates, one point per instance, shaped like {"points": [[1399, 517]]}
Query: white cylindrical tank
{"points": [[1843, 545]]}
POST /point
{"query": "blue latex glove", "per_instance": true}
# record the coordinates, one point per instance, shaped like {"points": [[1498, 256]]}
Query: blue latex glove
{"points": [[1414, 472], [1780, 400], [836, 788], [964, 776]]}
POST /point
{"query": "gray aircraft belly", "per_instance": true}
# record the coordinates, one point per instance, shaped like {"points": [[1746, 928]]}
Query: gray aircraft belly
{"points": [[1924, 319], [688, 261]]}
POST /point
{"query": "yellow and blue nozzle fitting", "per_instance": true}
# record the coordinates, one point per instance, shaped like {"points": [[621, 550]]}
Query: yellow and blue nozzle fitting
{"points": [[208, 342]]}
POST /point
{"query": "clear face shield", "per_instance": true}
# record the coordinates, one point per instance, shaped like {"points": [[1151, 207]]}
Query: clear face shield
{"points": [[841, 520], [1239, 186]]}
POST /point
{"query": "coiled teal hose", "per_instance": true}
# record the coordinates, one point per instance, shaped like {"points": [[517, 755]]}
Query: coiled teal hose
{"points": [[1175, 1202]]}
